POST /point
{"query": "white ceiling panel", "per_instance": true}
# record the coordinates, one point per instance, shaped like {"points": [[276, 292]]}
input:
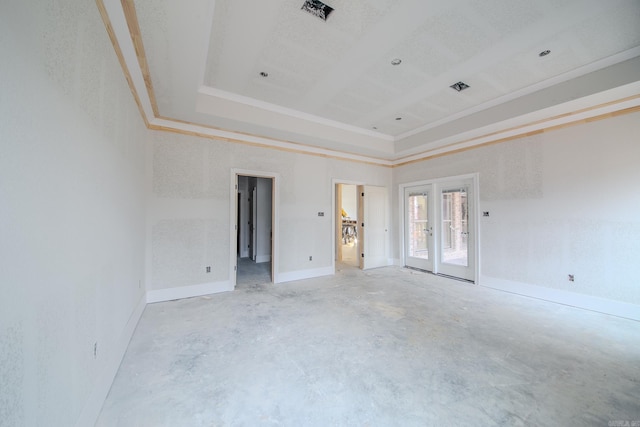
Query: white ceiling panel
{"points": [[615, 30], [460, 34]]}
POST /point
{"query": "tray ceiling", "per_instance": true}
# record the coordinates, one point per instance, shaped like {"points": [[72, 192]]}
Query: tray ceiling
{"points": [[271, 70]]}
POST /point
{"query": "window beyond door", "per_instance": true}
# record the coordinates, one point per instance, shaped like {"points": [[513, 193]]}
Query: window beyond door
{"points": [[455, 219], [418, 225]]}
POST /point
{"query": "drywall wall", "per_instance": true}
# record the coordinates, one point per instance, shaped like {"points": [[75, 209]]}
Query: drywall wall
{"points": [[71, 213], [188, 216], [561, 202]]}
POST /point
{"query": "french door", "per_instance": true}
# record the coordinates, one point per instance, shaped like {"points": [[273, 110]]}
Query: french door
{"points": [[439, 230], [418, 227], [456, 243]]}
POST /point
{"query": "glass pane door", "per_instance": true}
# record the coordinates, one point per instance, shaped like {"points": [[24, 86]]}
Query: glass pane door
{"points": [[419, 229], [456, 241], [439, 228], [455, 244]]}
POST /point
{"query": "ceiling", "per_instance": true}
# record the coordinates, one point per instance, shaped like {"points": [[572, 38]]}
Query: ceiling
{"points": [[269, 72]]}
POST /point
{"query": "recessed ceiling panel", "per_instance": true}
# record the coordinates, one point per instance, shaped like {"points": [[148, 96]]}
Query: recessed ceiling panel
{"points": [[426, 53], [398, 79], [509, 17], [355, 18], [451, 101], [615, 30], [459, 34], [272, 55], [301, 52], [427, 112], [355, 102]]}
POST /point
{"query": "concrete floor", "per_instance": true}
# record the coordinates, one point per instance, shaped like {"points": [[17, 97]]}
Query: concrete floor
{"points": [[387, 347], [252, 273], [350, 255]]}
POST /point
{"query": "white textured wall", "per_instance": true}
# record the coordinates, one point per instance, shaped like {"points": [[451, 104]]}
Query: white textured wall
{"points": [[189, 206], [562, 202], [71, 210]]}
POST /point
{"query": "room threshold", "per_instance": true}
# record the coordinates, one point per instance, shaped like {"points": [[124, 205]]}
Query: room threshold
{"points": [[460, 279]]}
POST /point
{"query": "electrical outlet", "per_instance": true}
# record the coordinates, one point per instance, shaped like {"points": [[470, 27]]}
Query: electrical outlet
{"points": [[485, 213], [208, 269], [310, 258], [572, 278]]}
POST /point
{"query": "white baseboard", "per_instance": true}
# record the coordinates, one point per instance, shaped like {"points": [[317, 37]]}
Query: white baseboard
{"points": [[586, 302], [263, 258], [93, 406], [305, 274], [170, 294]]}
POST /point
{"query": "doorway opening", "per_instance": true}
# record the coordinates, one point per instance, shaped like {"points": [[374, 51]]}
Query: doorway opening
{"points": [[254, 254], [366, 233], [347, 244]]}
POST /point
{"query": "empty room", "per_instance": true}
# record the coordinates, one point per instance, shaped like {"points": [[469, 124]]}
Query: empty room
{"points": [[319, 213]]}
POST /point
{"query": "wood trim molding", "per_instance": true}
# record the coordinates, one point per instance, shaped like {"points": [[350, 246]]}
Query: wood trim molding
{"points": [[321, 152], [123, 64], [130, 15], [524, 134]]}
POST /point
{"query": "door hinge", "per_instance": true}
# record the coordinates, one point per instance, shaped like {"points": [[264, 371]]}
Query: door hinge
{"points": [[362, 194], [362, 255], [236, 226], [235, 268], [363, 224], [236, 186]]}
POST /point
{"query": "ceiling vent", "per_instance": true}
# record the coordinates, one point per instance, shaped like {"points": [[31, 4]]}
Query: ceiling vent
{"points": [[317, 8], [460, 86]]}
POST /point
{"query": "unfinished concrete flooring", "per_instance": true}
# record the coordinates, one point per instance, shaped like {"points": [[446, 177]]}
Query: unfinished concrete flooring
{"points": [[388, 347]]}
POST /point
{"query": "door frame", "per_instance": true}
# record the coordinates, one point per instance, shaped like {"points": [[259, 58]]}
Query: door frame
{"points": [[275, 221], [475, 215], [242, 194]]}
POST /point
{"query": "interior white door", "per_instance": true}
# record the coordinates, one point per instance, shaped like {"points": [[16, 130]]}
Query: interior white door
{"points": [[254, 223], [418, 231], [374, 228], [456, 231]]}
